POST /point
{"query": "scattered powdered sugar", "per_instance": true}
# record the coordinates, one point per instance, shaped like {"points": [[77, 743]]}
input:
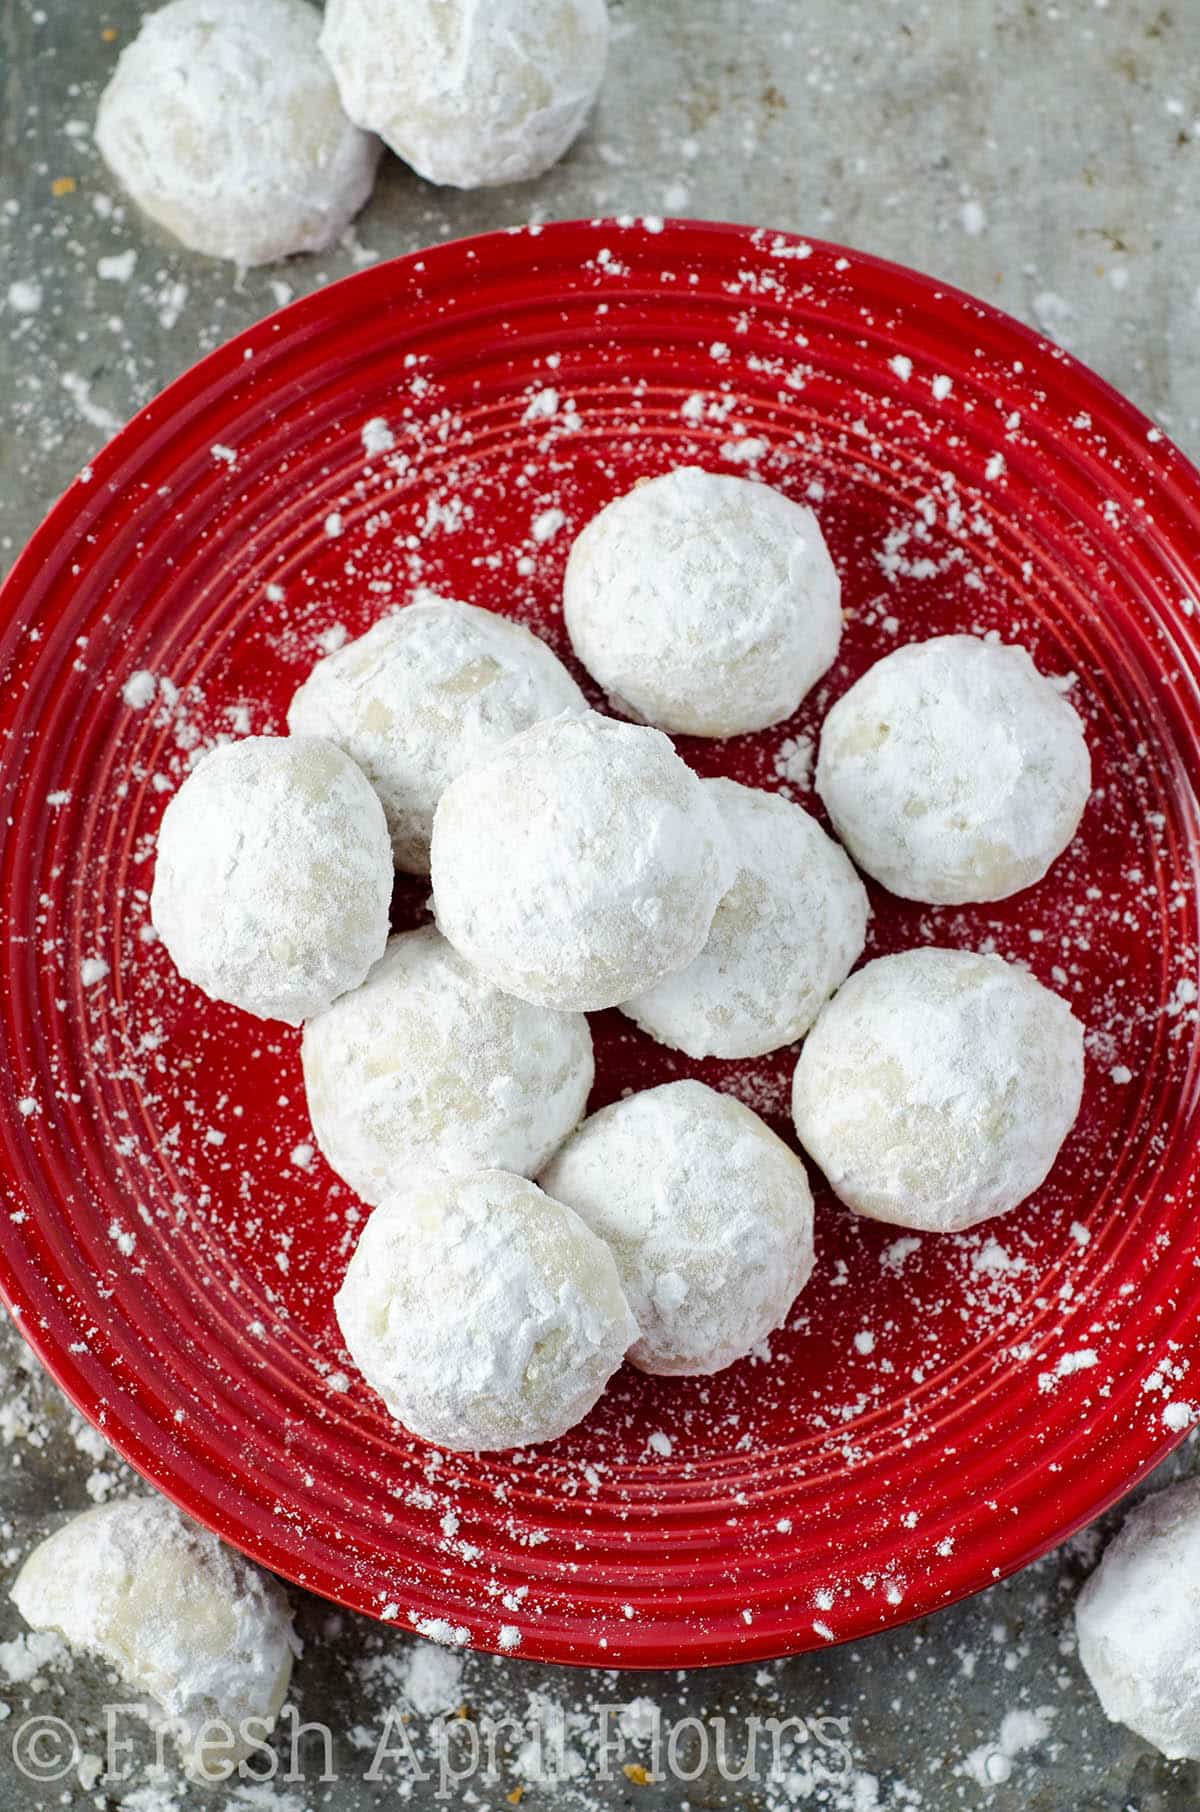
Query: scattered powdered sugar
{"points": [[118, 267], [432, 1679], [973, 218], [1066, 1367], [439, 1629], [139, 689], [1054, 315], [331, 639], [27, 1657], [1020, 1731], [377, 437], [24, 295], [542, 404], [794, 760], [79, 389]]}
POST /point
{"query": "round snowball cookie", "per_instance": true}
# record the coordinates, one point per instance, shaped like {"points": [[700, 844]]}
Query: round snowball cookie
{"points": [[429, 1066], [178, 1615], [786, 934], [708, 1215], [274, 876], [223, 122], [936, 1088], [704, 604], [484, 1313], [1138, 1623], [954, 771], [467, 94], [426, 692], [579, 864]]}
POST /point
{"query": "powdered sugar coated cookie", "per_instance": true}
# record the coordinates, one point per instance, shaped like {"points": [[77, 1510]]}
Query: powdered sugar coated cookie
{"points": [[785, 935], [578, 864], [469, 94], [937, 1087], [708, 1215], [427, 1064], [1138, 1622], [705, 604], [223, 122], [423, 694], [954, 771], [484, 1313], [273, 881], [177, 1613]]}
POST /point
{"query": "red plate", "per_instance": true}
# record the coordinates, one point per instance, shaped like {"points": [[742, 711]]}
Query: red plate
{"points": [[939, 1411]]}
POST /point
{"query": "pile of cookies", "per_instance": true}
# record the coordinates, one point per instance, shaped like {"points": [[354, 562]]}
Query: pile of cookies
{"points": [[578, 864]]}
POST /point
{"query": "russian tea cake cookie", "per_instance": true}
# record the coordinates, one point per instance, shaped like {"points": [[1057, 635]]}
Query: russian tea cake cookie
{"points": [[484, 1313], [1138, 1622], [178, 1615], [427, 1064], [468, 94], [785, 935], [704, 604], [224, 123], [954, 771], [708, 1214], [937, 1086], [424, 693], [579, 863], [274, 876]]}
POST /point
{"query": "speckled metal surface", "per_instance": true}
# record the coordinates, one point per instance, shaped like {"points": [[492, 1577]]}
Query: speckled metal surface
{"points": [[1045, 156]]}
